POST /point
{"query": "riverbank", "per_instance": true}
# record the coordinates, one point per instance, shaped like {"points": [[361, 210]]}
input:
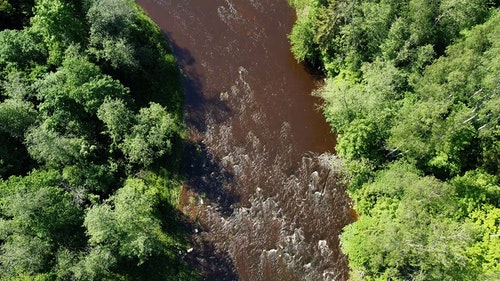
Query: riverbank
{"points": [[411, 91], [92, 129]]}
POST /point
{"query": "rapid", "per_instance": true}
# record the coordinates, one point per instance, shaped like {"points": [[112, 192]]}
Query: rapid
{"points": [[263, 192]]}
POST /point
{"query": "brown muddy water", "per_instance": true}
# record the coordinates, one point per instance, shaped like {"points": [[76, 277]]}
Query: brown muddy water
{"points": [[263, 194]]}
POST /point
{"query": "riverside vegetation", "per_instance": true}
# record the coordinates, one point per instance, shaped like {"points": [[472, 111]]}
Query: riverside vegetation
{"points": [[412, 89], [91, 131]]}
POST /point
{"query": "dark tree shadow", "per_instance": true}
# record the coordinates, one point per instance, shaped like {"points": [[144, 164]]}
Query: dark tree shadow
{"points": [[196, 104], [207, 178], [203, 172], [201, 262], [210, 264], [205, 175]]}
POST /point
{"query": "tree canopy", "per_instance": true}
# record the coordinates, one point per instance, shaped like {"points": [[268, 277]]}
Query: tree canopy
{"points": [[412, 92], [91, 128]]}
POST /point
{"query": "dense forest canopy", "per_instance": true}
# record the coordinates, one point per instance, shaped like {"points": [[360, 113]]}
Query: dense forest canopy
{"points": [[412, 90], [90, 134]]}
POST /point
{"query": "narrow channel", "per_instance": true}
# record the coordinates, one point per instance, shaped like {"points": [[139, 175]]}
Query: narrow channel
{"points": [[263, 191]]}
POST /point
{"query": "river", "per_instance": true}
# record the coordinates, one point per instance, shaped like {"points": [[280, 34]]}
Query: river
{"points": [[264, 194]]}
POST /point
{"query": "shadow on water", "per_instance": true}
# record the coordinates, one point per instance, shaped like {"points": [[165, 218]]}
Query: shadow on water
{"points": [[206, 178], [204, 173], [196, 103], [217, 267], [208, 262], [182, 55], [261, 199], [206, 182]]}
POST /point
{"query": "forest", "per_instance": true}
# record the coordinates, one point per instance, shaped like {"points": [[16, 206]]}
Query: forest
{"points": [[412, 90], [91, 131]]}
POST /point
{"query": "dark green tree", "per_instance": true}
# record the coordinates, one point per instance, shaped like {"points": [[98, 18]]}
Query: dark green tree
{"points": [[15, 14]]}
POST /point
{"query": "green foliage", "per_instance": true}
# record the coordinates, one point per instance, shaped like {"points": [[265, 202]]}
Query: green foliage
{"points": [[21, 51], [363, 113], [37, 220], [486, 252], [77, 82], [406, 230], [84, 90], [16, 116], [127, 45], [412, 91], [110, 23], [127, 235], [60, 24], [347, 33], [458, 15], [477, 190], [126, 225], [117, 118], [48, 146], [361, 139], [440, 126], [302, 41], [150, 137]]}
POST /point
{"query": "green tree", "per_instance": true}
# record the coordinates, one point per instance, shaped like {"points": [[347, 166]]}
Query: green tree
{"points": [[457, 15], [49, 147], [38, 219], [477, 190], [109, 41], [78, 82], [152, 135], [440, 127], [16, 116], [412, 91], [125, 229], [21, 51], [60, 23], [407, 230], [362, 113], [117, 118], [303, 44], [485, 252], [67, 116]]}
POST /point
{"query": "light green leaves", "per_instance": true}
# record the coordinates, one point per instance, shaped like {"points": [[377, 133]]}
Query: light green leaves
{"points": [[16, 116], [150, 138], [407, 231], [126, 225], [37, 219], [413, 82], [58, 24], [54, 149]]}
